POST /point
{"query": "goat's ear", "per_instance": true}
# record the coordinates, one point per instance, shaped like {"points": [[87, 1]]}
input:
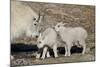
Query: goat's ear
{"points": [[34, 19], [61, 22], [64, 24], [40, 35]]}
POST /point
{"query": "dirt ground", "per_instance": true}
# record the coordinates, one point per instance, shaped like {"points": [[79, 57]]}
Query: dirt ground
{"points": [[74, 15]]}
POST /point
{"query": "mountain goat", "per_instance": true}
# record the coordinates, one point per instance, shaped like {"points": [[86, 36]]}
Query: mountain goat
{"points": [[47, 39], [72, 35], [24, 20]]}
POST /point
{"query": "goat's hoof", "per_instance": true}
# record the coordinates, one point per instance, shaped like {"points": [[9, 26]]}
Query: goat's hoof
{"points": [[65, 55], [37, 57], [48, 56], [68, 55], [83, 53], [56, 56], [42, 58]]}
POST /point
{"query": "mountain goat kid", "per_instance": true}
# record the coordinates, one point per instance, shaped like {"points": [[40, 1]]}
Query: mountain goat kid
{"points": [[49, 39], [71, 35]]}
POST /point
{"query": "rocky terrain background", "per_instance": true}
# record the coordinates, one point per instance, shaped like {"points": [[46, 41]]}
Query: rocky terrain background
{"points": [[74, 16]]}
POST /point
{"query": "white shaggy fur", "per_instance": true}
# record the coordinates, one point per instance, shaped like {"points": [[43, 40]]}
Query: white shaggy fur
{"points": [[49, 38], [70, 35], [23, 19]]}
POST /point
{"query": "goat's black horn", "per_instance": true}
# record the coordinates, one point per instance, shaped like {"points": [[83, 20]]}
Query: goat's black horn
{"points": [[38, 17]]}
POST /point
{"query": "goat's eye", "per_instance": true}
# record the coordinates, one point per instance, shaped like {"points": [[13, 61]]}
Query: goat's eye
{"points": [[58, 25], [39, 42], [35, 24], [34, 18]]}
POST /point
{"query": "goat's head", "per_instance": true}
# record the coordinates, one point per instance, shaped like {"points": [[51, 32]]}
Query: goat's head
{"points": [[35, 35], [40, 42], [59, 26], [35, 26], [36, 21]]}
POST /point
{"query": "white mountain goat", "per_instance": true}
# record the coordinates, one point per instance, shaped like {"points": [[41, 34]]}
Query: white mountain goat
{"points": [[72, 35], [24, 21], [49, 39]]}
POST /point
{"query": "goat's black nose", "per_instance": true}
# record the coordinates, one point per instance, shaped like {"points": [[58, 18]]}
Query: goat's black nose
{"points": [[34, 24], [37, 36], [53, 27]]}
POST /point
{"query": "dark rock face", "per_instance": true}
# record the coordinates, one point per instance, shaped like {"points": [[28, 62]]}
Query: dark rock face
{"points": [[19, 47], [73, 50], [76, 49]]}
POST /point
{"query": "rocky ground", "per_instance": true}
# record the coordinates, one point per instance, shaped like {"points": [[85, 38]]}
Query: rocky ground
{"points": [[28, 58], [72, 59], [74, 15]]}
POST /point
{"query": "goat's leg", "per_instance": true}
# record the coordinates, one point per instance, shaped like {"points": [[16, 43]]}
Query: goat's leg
{"points": [[38, 56], [44, 52], [55, 51], [69, 47], [39, 53], [66, 50], [82, 42], [48, 54]]}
